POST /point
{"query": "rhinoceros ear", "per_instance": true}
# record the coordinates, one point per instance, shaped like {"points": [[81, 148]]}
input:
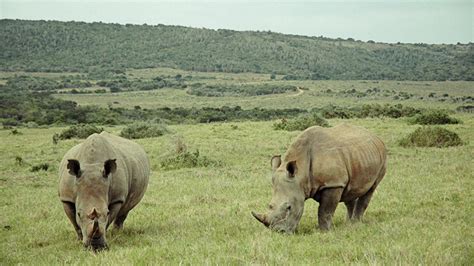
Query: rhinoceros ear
{"points": [[109, 167], [74, 168], [275, 162], [291, 168]]}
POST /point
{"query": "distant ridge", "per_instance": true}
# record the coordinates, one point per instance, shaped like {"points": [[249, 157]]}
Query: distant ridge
{"points": [[54, 46]]}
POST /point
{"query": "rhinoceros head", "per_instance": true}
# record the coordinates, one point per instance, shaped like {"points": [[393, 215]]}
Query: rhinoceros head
{"points": [[92, 190], [286, 206]]}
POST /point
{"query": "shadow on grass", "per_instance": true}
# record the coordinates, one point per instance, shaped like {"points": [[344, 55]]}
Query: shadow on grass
{"points": [[137, 235], [372, 218]]}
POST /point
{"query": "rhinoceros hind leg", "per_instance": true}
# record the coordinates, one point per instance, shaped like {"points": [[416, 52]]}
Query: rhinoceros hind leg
{"points": [[363, 203], [330, 197], [70, 210], [350, 205]]}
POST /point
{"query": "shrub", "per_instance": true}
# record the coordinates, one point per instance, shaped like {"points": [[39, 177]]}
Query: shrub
{"points": [[15, 132], [431, 137], [182, 158], [39, 167], [80, 131], [55, 138], [31, 124], [188, 159], [301, 123], [433, 117], [224, 90], [141, 130], [332, 111], [19, 160], [465, 108], [114, 89]]}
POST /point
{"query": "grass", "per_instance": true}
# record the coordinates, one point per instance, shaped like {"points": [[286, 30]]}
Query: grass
{"points": [[422, 212]]}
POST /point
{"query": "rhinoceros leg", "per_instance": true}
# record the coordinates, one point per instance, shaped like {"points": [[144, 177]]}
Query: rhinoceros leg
{"points": [[119, 220], [363, 203], [122, 215], [350, 205], [330, 197], [113, 212], [70, 210]]}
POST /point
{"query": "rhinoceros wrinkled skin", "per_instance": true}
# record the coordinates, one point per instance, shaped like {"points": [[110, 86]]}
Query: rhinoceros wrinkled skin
{"points": [[330, 165], [100, 181]]}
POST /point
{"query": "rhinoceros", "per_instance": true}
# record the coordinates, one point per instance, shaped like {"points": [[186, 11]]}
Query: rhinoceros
{"points": [[100, 181], [330, 165]]}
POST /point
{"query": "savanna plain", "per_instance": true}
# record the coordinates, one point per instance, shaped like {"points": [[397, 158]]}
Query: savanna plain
{"points": [[421, 213]]}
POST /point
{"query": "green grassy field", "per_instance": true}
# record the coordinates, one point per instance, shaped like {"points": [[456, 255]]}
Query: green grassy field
{"points": [[316, 93], [422, 213]]}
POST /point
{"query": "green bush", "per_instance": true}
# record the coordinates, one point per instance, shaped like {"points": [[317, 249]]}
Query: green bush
{"points": [[31, 124], [368, 110], [15, 132], [225, 90], [39, 167], [140, 130], [301, 123], [433, 117], [465, 108], [188, 159], [182, 158], [80, 131], [431, 137], [19, 160]]}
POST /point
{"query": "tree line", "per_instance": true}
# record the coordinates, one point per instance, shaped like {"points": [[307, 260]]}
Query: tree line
{"points": [[100, 49]]}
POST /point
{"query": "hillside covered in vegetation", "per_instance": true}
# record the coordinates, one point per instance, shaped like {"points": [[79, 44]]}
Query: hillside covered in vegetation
{"points": [[99, 48]]}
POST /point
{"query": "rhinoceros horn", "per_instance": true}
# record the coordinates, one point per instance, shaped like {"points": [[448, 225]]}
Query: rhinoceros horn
{"points": [[261, 218], [93, 214], [95, 229]]}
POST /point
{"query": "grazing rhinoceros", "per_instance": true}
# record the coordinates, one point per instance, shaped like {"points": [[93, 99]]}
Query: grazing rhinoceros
{"points": [[100, 181], [330, 165]]}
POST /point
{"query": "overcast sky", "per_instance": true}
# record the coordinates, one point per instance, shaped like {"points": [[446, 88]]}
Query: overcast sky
{"points": [[445, 21]]}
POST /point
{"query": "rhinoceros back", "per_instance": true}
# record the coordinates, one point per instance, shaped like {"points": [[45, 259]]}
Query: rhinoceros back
{"points": [[342, 156]]}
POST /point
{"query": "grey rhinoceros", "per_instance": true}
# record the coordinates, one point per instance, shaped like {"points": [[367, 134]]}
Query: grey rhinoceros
{"points": [[100, 181], [330, 165]]}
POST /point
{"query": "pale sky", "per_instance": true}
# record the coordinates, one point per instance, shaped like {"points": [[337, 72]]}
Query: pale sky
{"points": [[445, 21]]}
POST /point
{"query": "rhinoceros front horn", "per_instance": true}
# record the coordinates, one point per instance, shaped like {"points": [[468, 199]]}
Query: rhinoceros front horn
{"points": [[261, 218], [95, 229]]}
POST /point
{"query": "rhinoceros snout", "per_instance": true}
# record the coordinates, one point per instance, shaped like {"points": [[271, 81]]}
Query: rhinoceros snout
{"points": [[97, 244]]}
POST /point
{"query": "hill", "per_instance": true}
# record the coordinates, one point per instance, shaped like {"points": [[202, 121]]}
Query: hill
{"points": [[99, 48]]}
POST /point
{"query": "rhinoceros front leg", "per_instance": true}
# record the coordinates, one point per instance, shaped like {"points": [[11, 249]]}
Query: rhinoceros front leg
{"points": [[330, 197], [70, 210]]}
